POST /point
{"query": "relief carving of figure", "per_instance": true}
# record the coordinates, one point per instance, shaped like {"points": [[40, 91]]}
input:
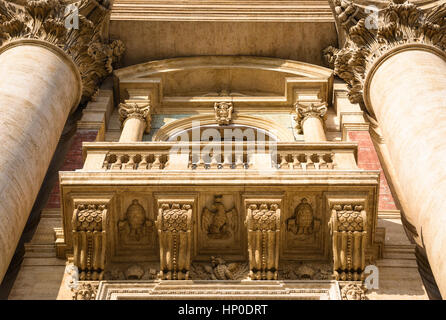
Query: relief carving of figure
{"points": [[302, 222], [135, 227], [217, 222], [223, 112]]}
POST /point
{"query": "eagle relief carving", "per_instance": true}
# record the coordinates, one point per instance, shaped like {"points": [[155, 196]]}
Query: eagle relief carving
{"points": [[217, 222], [303, 223], [135, 228]]}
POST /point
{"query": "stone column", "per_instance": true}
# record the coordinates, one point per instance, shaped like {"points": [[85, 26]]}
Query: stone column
{"points": [[310, 121], [40, 84], [403, 86], [135, 119]]}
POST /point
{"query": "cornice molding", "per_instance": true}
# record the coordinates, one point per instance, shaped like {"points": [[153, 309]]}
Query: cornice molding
{"points": [[399, 25], [222, 10], [44, 20]]}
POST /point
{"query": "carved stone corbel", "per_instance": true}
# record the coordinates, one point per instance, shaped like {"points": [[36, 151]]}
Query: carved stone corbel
{"points": [[89, 240], [223, 112], [303, 112], [263, 223], [348, 227], [371, 35], [174, 225]]}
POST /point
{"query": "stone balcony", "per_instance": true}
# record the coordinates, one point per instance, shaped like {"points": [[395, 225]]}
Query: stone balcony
{"points": [[265, 204], [196, 157]]}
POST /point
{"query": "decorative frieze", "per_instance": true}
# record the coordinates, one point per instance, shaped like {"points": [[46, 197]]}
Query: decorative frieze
{"points": [[348, 226], [89, 240], [46, 20], [303, 112], [223, 112], [263, 223], [370, 36], [133, 110], [174, 225]]}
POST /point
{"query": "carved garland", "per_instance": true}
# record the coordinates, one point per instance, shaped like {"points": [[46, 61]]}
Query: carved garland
{"points": [[45, 20], [397, 24]]}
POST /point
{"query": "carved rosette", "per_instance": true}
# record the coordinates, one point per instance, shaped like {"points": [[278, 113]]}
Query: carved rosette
{"points": [[174, 225], [223, 112], [348, 226], [89, 241], [139, 111], [263, 223], [353, 291], [46, 20], [303, 112], [371, 36], [85, 291]]}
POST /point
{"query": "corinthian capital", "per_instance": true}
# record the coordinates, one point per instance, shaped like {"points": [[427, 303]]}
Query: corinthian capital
{"points": [[303, 112], [135, 111], [46, 20], [371, 32]]}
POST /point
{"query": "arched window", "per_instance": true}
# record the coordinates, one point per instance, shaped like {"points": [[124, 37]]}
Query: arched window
{"points": [[214, 132]]}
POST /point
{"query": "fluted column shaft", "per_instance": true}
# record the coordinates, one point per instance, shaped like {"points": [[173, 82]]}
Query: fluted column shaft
{"points": [[38, 88], [406, 90]]}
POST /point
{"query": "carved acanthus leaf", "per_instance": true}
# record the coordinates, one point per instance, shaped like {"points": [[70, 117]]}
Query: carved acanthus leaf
{"points": [[303, 112], [46, 20], [370, 35], [139, 111]]}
